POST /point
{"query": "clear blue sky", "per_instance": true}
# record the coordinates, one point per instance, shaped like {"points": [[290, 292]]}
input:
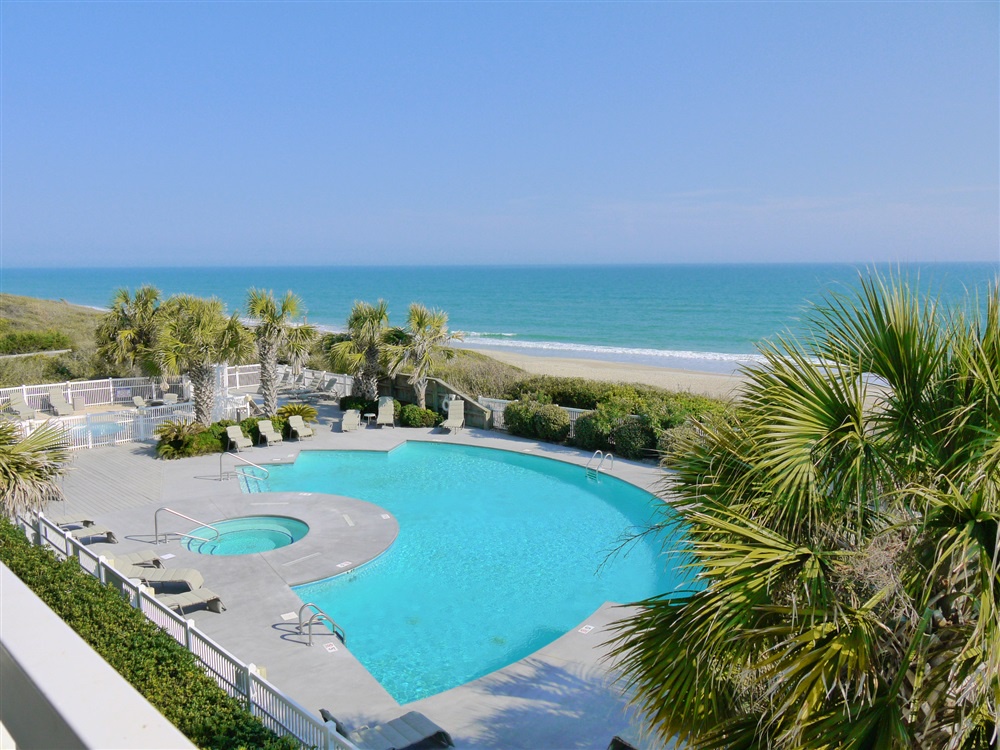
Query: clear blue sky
{"points": [[386, 133]]}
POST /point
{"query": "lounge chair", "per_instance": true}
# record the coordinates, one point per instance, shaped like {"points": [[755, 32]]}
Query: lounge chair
{"points": [[17, 405], [169, 398], [59, 404], [297, 428], [237, 438], [68, 520], [142, 558], [267, 433], [140, 402], [190, 577], [255, 408], [93, 531], [412, 728], [351, 420], [386, 412], [456, 415], [192, 598]]}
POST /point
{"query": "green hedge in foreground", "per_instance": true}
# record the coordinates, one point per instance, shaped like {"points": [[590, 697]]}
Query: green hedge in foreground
{"points": [[166, 673]]}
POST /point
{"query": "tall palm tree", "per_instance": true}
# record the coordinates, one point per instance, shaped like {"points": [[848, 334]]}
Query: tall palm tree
{"points": [[276, 334], [126, 334], [426, 334], [30, 466], [364, 354], [194, 336], [843, 532]]}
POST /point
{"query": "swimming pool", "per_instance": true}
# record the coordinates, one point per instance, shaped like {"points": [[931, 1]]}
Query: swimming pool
{"points": [[246, 535], [498, 554]]}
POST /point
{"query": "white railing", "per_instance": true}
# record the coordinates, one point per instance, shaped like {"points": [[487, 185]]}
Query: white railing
{"points": [[242, 376], [84, 393], [279, 713], [314, 382], [114, 427], [497, 405]]}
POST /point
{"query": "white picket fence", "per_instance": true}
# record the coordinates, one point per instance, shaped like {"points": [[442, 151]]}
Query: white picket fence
{"points": [[497, 406], [104, 392], [279, 713]]}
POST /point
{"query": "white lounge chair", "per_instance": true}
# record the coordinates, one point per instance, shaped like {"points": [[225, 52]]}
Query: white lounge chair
{"points": [[351, 420], [410, 729], [18, 405], [59, 404], [169, 399], [190, 577], [140, 558], [456, 415], [192, 598], [237, 439], [298, 428], [93, 531], [268, 433], [386, 412]]}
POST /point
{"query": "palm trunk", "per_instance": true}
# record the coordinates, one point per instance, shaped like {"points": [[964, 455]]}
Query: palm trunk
{"points": [[420, 387], [203, 385], [268, 377]]}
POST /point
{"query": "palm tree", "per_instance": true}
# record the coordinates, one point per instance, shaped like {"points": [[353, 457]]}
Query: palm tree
{"points": [[194, 336], [426, 333], [126, 333], [276, 335], [30, 466], [843, 532], [364, 354]]}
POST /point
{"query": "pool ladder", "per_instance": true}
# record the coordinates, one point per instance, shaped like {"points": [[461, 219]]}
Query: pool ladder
{"points": [[319, 615], [156, 527], [235, 473], [594, 472]]}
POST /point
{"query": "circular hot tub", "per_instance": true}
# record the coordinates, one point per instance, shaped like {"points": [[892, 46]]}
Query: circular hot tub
{"points": [[246, 535]]}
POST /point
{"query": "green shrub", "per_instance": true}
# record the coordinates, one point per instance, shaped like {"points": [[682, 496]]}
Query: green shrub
{"points": [[411, 415], [24, 342], [363, 405], [166, 674], [518, 417], [633, 438], [177, 439], [591, 433], [550, 423], [297, 409]]}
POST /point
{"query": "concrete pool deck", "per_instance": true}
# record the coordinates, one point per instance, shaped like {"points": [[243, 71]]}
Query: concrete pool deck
{"points": [[562, 696]]}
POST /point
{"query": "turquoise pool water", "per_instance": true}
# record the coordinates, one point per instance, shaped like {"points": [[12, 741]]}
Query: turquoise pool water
{"points": [[247, 535], [498, 554]]}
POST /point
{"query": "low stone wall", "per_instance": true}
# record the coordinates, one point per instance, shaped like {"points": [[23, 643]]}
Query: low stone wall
{"points": [[476, 415]]}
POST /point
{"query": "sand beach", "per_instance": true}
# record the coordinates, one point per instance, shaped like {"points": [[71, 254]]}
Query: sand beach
{"points": [[703, 383]]}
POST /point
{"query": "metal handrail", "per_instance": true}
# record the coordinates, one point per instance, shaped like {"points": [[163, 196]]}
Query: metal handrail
{"points": [[320, 616], [594, 471], [156, 527], [240, 458]]}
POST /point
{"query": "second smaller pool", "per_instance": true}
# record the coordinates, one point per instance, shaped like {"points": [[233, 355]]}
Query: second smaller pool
{"points": [[246, 535]]}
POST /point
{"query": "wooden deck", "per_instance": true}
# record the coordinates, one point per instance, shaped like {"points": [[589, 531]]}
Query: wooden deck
{"points": [[104, 480]]}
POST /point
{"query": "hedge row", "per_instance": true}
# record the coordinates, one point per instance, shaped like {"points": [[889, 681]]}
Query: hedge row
{"points": [[25, 342], [168, 675]]}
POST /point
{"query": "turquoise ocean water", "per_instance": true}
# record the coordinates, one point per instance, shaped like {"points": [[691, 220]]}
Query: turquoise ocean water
{"points": [[698, 317]]}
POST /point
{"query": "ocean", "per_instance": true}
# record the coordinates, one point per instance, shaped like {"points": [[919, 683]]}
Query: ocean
{"points": [[694, 317]]}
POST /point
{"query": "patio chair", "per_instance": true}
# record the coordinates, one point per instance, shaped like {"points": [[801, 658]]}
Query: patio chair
{"points": [[59, 404], [192, 598], [267, 432], [140, 402], [237, 438], [144, 558], [409, 730], [351, 420], [255, 408], [297, 428], [456, 415], [70, 520], [189, 577], [386, 412], [169, 399], [17, 405], [92, 532]]}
